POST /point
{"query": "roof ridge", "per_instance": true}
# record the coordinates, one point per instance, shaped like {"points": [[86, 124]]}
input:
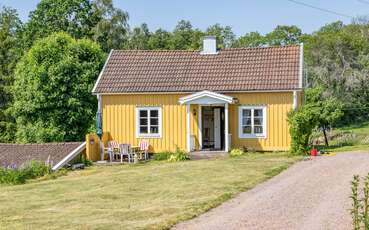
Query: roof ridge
{"points": [[224, 49]]}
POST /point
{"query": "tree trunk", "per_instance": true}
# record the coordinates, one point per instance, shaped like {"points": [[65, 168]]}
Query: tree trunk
{"points": [[325, 137]]}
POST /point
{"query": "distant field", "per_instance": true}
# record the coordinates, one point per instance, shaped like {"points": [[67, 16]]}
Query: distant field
{"points": [[154, 195], [349, 138]]}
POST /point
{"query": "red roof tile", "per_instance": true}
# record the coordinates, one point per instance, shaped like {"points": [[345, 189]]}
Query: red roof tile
{"points": [[241, 69], [17, 154]]}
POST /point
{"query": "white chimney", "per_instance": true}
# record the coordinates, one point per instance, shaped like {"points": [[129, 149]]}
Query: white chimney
{"points": [[209, 45]]}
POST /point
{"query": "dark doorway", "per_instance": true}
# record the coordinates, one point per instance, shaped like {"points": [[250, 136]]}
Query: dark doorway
{"points": [[212, 127]]}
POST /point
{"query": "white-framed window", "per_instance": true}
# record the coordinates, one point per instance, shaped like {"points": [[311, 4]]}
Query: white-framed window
{"points": [[148, 122], [252, 121]]}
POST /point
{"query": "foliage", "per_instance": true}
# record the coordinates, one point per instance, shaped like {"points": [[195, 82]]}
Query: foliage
{"points": [[360, 205], [301, 124], [10, 25], [236, 152], [29, 170], [328, 108], [111, 31], [178, 155], [52, 99]]}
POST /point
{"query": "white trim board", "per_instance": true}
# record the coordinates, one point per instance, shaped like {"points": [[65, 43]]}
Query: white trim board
{"points": [[206, 97], [101, 72], [69, 157]]}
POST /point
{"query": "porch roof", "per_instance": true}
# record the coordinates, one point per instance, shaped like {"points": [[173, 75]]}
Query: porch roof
{"points": [[206, 97]]}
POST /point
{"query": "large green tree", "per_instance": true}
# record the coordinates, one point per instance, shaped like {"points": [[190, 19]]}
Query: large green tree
{"points": [[52, 89], [10, 25], [95, 19], [224, 34]]}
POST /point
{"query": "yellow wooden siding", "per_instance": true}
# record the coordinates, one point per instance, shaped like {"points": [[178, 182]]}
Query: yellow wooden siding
{"points": [[277, 106], [119, 119]]}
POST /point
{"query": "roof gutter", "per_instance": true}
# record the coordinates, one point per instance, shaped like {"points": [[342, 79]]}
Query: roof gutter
{"points": [[69, 157], [102, 71]]}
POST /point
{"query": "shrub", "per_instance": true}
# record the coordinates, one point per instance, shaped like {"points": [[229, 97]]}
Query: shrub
{"points": [[360, 205], [236, 152], [162, 156], [301, 124], [29, 170], [178, 155]]}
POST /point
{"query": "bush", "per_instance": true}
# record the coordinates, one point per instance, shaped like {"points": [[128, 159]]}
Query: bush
{"points": [[29, 170], [236, 152], [178, 155], [360, 205], [162, 156], [301, 124]]}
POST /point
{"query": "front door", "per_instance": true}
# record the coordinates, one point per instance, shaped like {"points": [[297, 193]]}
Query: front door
{"points": [[217, 129]]}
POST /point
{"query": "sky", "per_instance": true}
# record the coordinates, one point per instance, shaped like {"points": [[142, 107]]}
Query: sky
{"points": [[242, 15]]}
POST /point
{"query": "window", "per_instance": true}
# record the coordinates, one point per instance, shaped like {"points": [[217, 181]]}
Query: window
{"points": [[148, 123], [252, 121]]}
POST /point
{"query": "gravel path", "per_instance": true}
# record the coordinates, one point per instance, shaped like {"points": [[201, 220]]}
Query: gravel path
{"points": [[311, 194]]}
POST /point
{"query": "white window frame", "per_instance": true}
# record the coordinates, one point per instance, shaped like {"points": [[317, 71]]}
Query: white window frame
{"points": [[252, 134], [148, 135]]}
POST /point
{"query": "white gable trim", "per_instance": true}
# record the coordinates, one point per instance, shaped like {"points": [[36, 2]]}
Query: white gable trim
{"points": [[69, 157], [206, 97], [102, 71], [301, 70]]}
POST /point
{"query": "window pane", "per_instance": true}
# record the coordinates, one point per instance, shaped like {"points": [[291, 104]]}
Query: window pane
{"points": [[154, 113], [246, 129], [143, 129], [154, 121], [246, 112], [154, 129], [143, 121], [143, 113], [258, 129], [258, 121], [246, 121], [258, 112]]}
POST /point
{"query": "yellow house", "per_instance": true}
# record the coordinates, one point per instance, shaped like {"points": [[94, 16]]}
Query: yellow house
{"points": [[201, 100]]}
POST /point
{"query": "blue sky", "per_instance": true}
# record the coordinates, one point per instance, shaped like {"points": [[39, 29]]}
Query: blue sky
{"points": [[243, 16]]}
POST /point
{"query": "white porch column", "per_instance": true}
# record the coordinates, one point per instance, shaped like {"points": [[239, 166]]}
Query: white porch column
{"points": [[226, 141], [188, 129]]}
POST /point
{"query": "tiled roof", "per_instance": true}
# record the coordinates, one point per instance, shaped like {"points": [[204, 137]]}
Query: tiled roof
{"points": [[17, 154], [238, 69]]}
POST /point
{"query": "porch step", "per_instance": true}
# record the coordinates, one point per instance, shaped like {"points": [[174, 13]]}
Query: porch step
{"points": [[198, 155]]}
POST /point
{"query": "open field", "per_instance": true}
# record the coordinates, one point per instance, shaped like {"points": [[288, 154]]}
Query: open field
{"points": [[152, 195], [348, 138]]}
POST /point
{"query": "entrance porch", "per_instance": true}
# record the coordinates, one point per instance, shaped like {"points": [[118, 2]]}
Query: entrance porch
{"points": [[213, 120]]}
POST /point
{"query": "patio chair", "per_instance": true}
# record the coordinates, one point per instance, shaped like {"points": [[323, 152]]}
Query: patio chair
{"points": [[144, 146], [125, 150], [113, 147]]}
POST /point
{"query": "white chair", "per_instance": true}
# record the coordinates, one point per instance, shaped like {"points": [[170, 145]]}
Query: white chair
{"points": [[144, 146], [125, 150], [113, 146]]}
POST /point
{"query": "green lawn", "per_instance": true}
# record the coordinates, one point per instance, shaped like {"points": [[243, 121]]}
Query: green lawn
{"points": [[154, 195], [349, 138]]}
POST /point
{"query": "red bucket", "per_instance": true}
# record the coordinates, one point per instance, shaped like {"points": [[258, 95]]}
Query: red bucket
{"points": [[314, 152]]}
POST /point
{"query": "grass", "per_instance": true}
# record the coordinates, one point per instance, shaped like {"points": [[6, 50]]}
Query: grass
{"points": [[155, 195], [349, 138]]}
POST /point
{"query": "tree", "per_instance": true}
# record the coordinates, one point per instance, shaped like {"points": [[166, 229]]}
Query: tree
{"points": [[328, 109], [95, 19], [52, 89], [139, 38], [284, 35], [10, 25], [76, 17], [224, 34], [160, 40], [252, 39], [182, 36], [111, 32]]}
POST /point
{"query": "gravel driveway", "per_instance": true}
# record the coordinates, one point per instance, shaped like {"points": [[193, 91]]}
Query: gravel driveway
{"points": [[311, 194]]}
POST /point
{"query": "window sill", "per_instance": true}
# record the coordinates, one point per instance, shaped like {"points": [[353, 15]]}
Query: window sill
{"points": [[251, 136], [148, 136]]}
